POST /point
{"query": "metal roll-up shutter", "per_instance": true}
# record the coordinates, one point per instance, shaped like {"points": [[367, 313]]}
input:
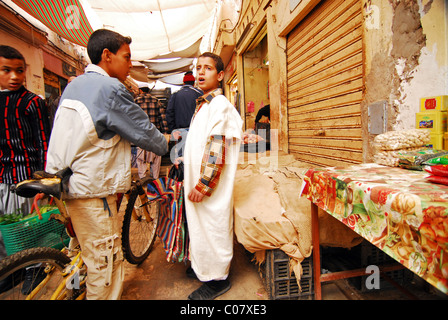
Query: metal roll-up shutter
{"points": [[325, 84]]}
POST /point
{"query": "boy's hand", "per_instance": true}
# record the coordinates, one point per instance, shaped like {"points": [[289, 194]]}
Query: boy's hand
{"points": [[195, 196], [177, 161], [176, 135]]}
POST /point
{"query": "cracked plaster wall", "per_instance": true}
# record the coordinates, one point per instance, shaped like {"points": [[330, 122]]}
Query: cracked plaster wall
{"points": [[406, 57]]}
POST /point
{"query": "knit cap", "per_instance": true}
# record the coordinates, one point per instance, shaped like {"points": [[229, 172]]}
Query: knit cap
{"points": [[188, 76]]}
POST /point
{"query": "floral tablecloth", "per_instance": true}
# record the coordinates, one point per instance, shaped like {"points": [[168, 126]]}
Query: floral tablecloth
{"points": [[395, 209]]}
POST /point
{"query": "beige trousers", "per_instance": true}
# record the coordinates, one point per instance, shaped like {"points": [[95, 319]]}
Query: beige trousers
{"points": [[148, 162], [98, 231]]}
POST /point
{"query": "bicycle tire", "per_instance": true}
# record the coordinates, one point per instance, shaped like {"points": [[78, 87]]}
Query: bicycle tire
{"points": [[13, 270], [138, 234]]}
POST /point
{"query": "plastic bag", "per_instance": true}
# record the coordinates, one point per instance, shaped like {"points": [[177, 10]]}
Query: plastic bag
{"points": [[438, 179], [417, 159], [391, 158], [443, 159], [437, 170], [177, 173]]}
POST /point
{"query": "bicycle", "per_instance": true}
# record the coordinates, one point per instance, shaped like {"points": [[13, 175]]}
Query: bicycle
{"points": [[61, 274], [140, 222]]}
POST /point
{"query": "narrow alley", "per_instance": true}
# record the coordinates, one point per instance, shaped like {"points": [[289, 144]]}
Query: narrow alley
{"points": [[330, 115]]}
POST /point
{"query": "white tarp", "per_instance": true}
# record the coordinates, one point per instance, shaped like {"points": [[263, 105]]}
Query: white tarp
{"points": [[161, 66], [157, 27]]}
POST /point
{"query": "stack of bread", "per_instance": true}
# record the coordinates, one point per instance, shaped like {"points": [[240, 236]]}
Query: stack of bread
{"points": [[391, 145]]}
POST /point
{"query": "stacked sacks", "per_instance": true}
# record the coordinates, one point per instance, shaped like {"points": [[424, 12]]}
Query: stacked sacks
{"points": [[391, 145]]}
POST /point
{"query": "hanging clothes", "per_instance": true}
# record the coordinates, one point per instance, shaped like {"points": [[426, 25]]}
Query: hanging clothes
{"points": [[172, 228]]}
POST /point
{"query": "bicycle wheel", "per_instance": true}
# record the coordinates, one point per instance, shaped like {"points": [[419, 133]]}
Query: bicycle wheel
{"points": [[139, 226], [22, 272]]}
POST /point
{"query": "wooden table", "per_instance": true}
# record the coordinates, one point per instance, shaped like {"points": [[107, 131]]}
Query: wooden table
{"points": [[395, 209]]}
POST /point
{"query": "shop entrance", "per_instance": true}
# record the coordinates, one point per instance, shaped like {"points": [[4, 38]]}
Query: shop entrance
{"points": [[325, 84], [256, 79]]}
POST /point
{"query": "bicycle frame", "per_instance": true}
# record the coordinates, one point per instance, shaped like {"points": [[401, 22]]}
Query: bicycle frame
{"points": [[71, 270], [63, 217], [142, 195], [59, 283], [68, 274]]}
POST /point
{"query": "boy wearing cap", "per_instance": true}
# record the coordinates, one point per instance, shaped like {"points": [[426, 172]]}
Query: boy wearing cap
{"points": [[95, 124], [210, 161], [179, 111], [182, 104]]}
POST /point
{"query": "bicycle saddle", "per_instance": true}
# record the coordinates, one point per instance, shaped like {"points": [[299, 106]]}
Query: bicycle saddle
{"points": [[43, 182]]}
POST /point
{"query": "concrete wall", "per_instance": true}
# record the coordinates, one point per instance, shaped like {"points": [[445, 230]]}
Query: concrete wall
{"points": [[405, 58], [421, 64]]}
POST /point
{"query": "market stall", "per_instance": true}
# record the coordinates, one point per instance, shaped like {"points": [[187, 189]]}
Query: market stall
{"points": [[269, 215], [398, 210]]}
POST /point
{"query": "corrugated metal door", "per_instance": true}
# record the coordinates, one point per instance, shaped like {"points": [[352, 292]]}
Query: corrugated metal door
{"points": [[325, 84]]}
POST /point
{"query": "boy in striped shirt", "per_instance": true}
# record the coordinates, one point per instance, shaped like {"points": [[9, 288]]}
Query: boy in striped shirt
{"points": [[25, 128], [24, 131]]}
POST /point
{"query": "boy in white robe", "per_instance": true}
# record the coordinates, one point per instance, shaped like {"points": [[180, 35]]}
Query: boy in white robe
{"points": [[210, 161]]}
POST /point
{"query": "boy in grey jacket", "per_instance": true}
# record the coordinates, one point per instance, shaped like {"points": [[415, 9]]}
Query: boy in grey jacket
{"points": [[94, 127]]}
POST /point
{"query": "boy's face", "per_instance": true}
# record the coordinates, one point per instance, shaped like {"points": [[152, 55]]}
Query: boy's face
{"points": [[208, 76], [12, 73], [119, 64]]}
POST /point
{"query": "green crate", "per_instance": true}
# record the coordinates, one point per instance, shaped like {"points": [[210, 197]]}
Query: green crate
{"points": [[33, 232]]}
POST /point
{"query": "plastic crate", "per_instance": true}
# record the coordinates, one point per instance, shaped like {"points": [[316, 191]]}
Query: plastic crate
{"points": [[371, 255], [281, 284], [33, 232]]}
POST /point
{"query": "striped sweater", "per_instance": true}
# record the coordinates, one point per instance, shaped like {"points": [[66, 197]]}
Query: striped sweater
{"points": [[24, 135]]}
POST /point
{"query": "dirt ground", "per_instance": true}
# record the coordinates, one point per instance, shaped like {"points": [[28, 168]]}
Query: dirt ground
{"points": [[157, 279]]}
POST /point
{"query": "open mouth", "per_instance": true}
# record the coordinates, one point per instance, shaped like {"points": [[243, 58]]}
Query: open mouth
{"points": [[14, 85]]}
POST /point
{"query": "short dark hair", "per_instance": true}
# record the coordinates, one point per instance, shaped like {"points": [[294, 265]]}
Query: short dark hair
{"points": [[105, 39], [219, 65], [8, 52]]}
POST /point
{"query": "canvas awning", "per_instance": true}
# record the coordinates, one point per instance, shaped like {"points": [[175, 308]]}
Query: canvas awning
{"points": [[66, 18], [159, 29]]}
